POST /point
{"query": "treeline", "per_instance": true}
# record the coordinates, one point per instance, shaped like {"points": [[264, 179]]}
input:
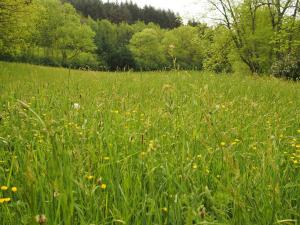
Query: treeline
{"points": [[51, 32], [126, 12]]}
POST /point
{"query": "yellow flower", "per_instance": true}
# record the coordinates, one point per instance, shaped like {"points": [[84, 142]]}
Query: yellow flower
{"points": [[297, 145], [223, 143], [14, 189], [90, 177], [103, 186], [2, 200], [4, 188], [195, 166], [165, 209]]}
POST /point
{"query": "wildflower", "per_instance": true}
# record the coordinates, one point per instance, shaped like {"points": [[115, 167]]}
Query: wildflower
{"points": [[99, 181], [103, 186], [3, 200], [202, 212], [14, 189], [195, 166], [223, 143], [143, 154], [90, 177], [56, 194], [151, 145], [4, 188], [76, 106], [165, 209], [41, 219]]}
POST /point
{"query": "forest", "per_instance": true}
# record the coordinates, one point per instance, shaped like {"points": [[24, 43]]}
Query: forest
{"points": [[251, 36]]}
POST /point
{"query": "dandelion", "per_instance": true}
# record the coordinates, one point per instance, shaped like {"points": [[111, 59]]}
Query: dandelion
{"points": [[3, 200], [90, 177], [4, 188], [143, 154], [14, 189], [103, 186], [76, 106], [41, 219], [165, 209]]}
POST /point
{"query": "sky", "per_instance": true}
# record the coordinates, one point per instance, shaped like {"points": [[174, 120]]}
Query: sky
{"points": [[187, 9]]}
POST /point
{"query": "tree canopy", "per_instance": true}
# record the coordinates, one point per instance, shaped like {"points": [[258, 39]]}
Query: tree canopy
{"points": [[252, 36]]}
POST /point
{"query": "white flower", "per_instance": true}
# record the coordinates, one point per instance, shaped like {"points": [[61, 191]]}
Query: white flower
{"points": [[76, 106]]}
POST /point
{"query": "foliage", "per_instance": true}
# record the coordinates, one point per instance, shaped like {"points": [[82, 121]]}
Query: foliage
{"points": [[126, 12], [218, 50], [257, 36], [183, 48], [147, 49]]}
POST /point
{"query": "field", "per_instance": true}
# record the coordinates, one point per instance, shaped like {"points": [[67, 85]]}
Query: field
{"points": [[147, 148]]}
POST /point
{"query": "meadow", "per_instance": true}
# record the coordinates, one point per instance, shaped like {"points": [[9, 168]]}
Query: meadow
{"points": [[147, 148]]}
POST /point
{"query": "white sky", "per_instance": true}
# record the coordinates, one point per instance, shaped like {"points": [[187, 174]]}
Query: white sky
{"points": [[187, 9]]}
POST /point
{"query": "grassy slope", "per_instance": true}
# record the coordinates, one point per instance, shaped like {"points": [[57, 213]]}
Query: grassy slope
{"points": [[165, 144]]}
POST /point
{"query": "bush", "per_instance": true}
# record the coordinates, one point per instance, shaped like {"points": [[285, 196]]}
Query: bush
{"points": [[288, 67]]}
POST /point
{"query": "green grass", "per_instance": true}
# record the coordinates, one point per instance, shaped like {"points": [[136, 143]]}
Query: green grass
{"points": [[172, 148]]}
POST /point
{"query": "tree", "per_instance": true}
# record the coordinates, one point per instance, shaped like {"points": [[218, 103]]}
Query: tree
{"points": [[60, 29], [218, 47], [255, 24], [16, 20], [147, 49], [183, 47]]}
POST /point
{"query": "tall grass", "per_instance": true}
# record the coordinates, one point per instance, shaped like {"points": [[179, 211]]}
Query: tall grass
{"points": [[148, 148]]}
